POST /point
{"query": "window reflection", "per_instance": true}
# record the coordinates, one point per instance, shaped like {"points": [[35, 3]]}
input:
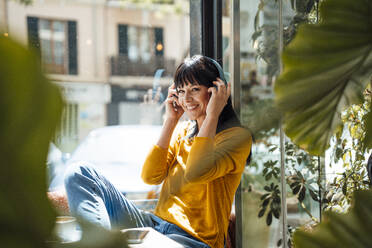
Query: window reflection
{"points": [[259, 67], [113, 60], [53, 46]]}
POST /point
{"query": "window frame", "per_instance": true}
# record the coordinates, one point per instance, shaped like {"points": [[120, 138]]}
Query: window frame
{"points": [[54, 68]]}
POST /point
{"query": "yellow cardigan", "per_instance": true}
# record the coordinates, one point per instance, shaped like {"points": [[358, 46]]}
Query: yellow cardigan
{"points": [[200, 176]]}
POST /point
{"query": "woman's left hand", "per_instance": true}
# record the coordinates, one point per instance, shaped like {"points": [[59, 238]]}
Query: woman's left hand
{"points": [[219, 96]]}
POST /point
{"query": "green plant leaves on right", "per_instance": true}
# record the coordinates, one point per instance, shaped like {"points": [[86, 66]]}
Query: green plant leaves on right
{"points": [[326, 68], [342, 230], [368, 124]]}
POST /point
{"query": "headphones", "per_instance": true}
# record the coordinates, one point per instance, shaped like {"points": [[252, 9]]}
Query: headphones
{"points": [[220, 70]]}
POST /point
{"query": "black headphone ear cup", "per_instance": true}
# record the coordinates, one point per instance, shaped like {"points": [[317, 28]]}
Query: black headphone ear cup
{"points": [[220, 71]]}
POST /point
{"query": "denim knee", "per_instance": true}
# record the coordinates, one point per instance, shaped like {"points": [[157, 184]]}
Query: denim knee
{"points": [[75, 171]]}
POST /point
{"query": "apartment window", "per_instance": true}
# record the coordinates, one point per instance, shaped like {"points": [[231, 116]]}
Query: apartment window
{"points": [[140, 43], [56, 42]]}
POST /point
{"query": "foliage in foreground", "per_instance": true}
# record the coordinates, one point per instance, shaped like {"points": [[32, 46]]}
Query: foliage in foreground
{"points": [[342, 230], [326, 69], [30, 109]]}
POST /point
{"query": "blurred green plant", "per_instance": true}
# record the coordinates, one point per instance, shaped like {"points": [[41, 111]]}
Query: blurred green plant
{"points": [[302, 171], [30, 109], [326, 69], [341, 230], [349, 152], [25, 2], [262, 118]]}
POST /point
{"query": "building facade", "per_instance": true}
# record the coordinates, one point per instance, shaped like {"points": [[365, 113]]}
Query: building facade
{"points": [[106, 57]]}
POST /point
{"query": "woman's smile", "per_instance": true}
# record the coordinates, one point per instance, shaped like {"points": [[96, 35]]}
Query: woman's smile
{"points": [[194, 99], [191, 107]]}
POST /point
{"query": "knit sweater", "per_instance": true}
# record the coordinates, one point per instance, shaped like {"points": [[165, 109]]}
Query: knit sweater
{"points": [[200, 176]]}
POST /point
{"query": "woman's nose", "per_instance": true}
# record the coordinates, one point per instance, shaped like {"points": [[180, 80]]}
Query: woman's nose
{"points": [[187, 96]]}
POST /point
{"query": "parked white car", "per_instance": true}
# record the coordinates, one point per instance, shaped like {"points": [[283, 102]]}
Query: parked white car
{"points": [[118, 152]]}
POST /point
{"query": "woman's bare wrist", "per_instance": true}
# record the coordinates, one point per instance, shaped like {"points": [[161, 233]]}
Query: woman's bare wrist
{"points": [[166, 132], [171, 122]]}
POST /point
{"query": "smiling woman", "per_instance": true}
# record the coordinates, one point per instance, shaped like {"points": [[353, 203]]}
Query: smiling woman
{"points": [[199, 74], [199, 164]]}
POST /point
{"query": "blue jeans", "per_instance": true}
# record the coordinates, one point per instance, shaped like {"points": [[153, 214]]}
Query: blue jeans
{"points": [[93, 198]]}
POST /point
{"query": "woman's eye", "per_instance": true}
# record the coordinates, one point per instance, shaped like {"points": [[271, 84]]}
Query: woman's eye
{"points": [[195, 89], [181, 91]]}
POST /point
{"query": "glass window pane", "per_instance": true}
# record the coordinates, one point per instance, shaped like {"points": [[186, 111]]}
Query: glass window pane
{"points": [[52, 36], [120, 80], [133, 43], [145, 42], [46, 51], [59, 50], [45, 36], [259, 67], [44, 25]]}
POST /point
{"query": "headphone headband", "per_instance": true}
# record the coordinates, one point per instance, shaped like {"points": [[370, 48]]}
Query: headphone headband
{"points": [[220, 70]]}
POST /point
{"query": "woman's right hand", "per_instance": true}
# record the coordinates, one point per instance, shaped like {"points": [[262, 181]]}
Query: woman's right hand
{"points": [[173, 110]]}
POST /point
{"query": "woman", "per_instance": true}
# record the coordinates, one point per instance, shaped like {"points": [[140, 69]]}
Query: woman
{"points": [[199, 162]]}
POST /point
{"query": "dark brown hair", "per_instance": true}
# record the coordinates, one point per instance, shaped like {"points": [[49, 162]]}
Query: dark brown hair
{"points": [[202, 70]]}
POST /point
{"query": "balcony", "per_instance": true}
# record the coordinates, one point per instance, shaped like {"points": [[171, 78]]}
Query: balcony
{"points": [[121, 65]]}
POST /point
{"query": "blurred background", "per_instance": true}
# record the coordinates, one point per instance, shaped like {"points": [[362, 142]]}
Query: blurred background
{"points": [[114, 61]]}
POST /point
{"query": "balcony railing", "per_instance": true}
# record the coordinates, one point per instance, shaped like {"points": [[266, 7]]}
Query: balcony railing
{"points": [[123, 66]]}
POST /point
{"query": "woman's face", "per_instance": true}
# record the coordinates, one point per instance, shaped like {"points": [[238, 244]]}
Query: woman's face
{"points": [[194, 99]]}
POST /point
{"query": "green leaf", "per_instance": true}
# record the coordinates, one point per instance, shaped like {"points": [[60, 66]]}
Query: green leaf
{"points": [[299, 160], [296, 189], [30, 109], [25, 2], [326, 68], [338, 154], [301, 195], [344, 189], [262, 212], [342, 230], [269, 218], [276, 213], [279, 243], [268, 176], [264, 196], [367, 142], [276, 199], [292, 185], [313, 195], [265, 202], [272, 149]]}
